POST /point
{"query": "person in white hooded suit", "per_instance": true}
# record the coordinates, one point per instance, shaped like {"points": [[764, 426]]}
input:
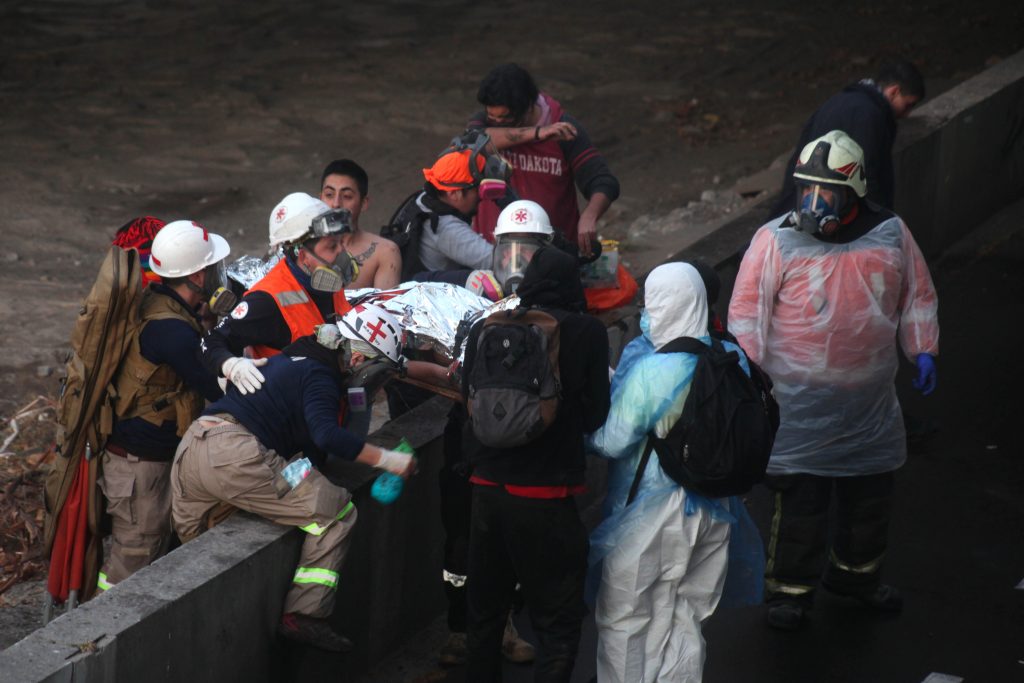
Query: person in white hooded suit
{"points": [[662, 558]]}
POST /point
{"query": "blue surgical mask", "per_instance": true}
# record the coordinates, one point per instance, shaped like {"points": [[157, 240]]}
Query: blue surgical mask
{"points": [[645, 323]]}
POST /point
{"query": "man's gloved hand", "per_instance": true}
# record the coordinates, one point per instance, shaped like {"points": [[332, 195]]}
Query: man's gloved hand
{"points": [[243, 373], [396, 462], [927, 376]]}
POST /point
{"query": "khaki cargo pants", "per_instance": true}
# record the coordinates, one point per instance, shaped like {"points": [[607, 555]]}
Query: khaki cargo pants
{"points": [[221, 462], [138, 497]]}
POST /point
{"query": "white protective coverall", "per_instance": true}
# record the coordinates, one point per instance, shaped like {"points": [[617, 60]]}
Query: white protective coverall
{"points": [[662, 560], [822, 319]]}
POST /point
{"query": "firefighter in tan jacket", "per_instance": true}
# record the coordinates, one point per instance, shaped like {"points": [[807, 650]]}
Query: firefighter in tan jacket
{"points": [[158, 391], [237, 453]]}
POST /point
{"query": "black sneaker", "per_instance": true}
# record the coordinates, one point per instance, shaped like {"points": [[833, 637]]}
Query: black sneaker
{"points": [[882, 598], [312, 631], [785, 616]]}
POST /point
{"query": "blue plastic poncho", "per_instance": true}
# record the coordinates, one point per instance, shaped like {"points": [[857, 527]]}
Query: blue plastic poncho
{"points": [[651, 541]]}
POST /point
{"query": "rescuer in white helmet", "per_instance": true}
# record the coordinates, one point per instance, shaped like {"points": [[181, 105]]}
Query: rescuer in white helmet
{"points": [[304, 289], [823, 296], [160, 388]]}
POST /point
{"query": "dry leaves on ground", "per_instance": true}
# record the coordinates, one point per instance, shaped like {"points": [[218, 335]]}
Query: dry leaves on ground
{"points": [[25, 455]]}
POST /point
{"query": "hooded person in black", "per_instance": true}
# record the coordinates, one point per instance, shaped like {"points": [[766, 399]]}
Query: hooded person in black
{"points": [[867, 111], [525, 525]]}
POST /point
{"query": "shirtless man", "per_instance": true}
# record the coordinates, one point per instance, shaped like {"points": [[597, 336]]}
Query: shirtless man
{"points": [[345, 185]]}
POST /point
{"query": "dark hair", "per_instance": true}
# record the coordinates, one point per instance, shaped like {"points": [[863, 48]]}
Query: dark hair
{"points": [[897, 71], [173, 282], [508, 85], [352, 170]]}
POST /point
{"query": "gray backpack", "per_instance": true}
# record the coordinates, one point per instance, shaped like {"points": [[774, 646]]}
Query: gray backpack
{"points": [[514, 388]]}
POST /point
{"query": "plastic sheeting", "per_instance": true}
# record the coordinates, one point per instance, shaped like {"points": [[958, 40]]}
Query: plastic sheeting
{"points": [[648, 391], [823, 320]]}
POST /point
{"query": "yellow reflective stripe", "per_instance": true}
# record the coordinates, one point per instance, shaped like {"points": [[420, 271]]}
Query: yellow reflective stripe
{"points": [[774, 586], [866, 568], [103, 584], [291, 298], [324, 577], [315, 529]]}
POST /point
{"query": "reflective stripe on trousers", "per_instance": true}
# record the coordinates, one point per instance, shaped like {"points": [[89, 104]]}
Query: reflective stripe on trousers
{"points": [[315, 529], [324, 577]]}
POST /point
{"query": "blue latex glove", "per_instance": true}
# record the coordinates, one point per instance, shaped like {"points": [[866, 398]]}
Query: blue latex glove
{"points": [[927, 377]]}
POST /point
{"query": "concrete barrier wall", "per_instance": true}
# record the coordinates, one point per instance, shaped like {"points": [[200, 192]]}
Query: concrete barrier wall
{"points": [[207, 611]]}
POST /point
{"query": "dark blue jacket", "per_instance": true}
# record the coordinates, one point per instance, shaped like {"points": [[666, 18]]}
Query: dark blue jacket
{"points": [[295, 410]]}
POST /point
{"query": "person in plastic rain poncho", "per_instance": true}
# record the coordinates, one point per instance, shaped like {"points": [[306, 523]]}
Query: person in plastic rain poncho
{"points": [[659, 564], [821, 298]]}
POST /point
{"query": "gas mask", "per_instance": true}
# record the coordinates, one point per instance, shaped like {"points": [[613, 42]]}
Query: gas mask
{"points": [[214, 291], [815, 215], [512, 253], [332, 276], [492, 180]]}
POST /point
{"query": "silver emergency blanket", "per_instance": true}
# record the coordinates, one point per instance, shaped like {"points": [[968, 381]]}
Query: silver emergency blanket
{"points": [[431, 312], [249, 270]]}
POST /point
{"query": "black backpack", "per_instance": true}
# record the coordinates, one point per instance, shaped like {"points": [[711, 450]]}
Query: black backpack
{"points": [[514, 386], [722, 441], [404, 229]]}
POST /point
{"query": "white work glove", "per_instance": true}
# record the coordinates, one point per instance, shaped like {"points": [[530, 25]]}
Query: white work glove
{"points": [[243, 373], [395, 462]]}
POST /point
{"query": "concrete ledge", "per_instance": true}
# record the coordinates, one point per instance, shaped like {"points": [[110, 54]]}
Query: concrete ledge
{"points": [[207, 611], [176, 618]]}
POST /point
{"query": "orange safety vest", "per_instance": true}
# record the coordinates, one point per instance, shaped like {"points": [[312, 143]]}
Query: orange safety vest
{"points": [[297, 307]]}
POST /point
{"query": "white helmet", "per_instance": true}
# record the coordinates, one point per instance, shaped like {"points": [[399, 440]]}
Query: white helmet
{"points": [[373, 325], [833, 159], [293, 217], [524, 216], [185, 247]]}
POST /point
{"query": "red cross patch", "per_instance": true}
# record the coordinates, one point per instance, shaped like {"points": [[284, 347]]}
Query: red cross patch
{"points": [[376, 330], [279, 216], [521, 216]]}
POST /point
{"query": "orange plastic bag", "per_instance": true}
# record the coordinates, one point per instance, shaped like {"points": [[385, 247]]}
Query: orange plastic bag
{"points": [[601, 299]]}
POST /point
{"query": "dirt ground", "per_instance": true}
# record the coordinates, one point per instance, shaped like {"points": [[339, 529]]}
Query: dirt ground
{"points": [[111, 109]]}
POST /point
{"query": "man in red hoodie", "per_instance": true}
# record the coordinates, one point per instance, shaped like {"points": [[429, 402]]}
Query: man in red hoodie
{"points": [[549, 150]]}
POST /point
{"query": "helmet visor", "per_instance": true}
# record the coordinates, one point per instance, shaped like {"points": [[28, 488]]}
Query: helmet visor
{"points": [[512, 254]]}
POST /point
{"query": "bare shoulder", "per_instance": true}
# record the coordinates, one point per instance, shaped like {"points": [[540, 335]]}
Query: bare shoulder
{"points": [[368, 249]]}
